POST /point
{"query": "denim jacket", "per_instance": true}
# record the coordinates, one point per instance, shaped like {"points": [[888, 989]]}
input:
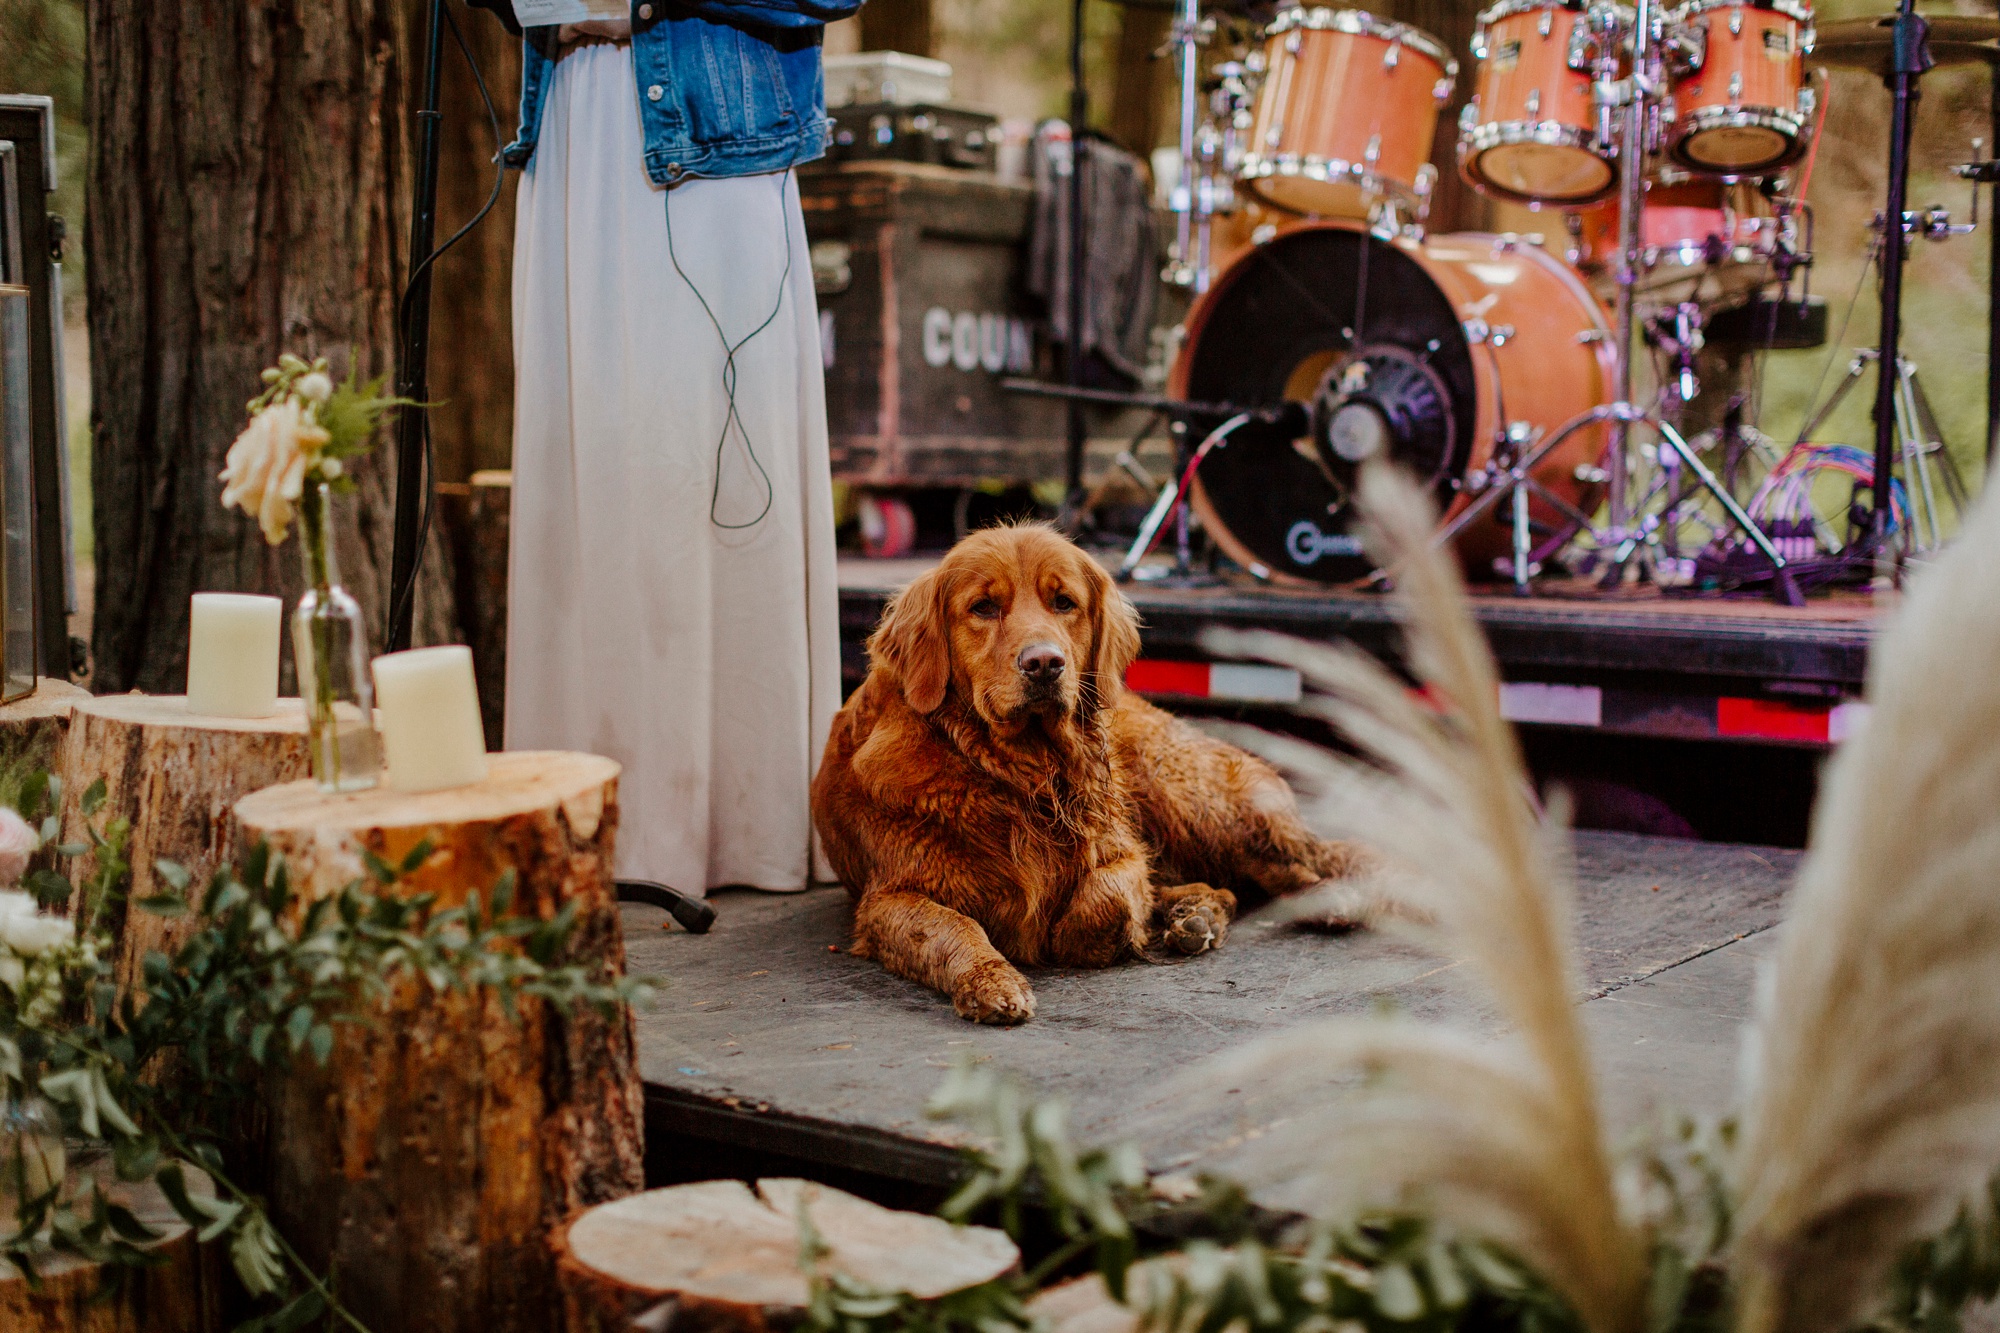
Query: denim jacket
{"points": [[725, 87]]}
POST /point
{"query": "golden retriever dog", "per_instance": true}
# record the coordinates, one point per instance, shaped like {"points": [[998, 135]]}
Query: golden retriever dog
{"points": [[993, 797]]}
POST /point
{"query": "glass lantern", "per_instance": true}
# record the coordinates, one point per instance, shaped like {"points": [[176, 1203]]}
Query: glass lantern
{"points": [[17, 503]]}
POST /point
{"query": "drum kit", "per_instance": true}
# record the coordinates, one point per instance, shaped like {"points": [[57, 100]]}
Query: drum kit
{"points": [[1669, 149]]}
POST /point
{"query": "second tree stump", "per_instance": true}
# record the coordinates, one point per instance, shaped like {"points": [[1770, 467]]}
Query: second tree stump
{"points": [[174, 775], [429, 1159]]}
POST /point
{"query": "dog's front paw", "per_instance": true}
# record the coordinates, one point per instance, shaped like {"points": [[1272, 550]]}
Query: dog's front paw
{"points": [[993, 992]]}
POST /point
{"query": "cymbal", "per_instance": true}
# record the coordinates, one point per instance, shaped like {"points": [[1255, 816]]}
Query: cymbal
{"points": [[1866, 44]]}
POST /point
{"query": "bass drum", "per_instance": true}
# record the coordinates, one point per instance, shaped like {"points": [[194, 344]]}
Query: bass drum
{"points": [[1455, 339]]}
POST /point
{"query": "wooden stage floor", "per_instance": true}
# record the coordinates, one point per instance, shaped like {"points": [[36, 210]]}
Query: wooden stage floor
{"points": [[766, 1040]]}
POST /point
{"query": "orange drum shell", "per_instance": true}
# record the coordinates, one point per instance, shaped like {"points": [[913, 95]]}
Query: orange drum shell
{"points": [[1765, 53], [1523, 65], [1326, 96], [1545, 373], [1682, 213], [1541, 64]]}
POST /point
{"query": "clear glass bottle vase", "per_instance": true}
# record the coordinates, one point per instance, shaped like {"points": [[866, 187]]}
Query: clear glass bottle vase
{"points": [[330, 649]]}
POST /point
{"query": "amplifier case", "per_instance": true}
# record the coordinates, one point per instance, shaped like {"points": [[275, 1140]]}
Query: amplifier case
{"points": [[923, 312]]}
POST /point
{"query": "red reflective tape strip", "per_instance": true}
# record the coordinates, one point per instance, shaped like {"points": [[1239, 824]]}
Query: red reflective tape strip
{"points": [[1770, 720], [1189, 678]]}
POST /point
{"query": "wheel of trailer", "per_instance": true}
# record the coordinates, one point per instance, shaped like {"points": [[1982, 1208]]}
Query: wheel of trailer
{"points": [[888, 525]]}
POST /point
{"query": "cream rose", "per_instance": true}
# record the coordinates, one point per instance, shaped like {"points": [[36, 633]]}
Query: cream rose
{"points": [[18, 842], [26, 931], [265, 470]]}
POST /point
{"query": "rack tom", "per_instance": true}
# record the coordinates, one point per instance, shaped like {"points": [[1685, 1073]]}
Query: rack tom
{"points": [[1531, 132], [1742, 109], [1346, 113]]}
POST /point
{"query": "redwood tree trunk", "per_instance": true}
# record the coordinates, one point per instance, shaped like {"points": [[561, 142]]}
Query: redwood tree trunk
{"points": [[472, 348], [247, 194]]}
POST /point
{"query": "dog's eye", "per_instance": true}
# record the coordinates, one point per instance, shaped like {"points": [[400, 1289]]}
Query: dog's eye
{"points": [[986, 609], [1062, 601]]}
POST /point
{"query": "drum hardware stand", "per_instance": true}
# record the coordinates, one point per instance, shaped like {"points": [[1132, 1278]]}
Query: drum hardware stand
{"points": [[1192, 199], [1918, 441], [1510, 473], [1626, 534], [1980, 171]]}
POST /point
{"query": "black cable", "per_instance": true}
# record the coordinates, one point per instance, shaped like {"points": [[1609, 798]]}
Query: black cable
{"points": [[400, 598], [729, 352]]}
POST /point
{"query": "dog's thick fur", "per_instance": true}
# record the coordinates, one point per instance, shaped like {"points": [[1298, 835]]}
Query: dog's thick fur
{"points": [[992, 795]]}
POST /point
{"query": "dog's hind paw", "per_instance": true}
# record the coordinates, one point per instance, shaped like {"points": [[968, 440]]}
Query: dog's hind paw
{"points": [[993, 992], [1195, 918]]}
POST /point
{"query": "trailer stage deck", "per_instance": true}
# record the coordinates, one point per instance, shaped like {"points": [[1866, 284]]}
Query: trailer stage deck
{"points": [[772, 1048]]}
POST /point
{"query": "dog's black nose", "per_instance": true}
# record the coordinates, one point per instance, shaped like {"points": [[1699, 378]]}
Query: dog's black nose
{"points": [[1040, 662]]}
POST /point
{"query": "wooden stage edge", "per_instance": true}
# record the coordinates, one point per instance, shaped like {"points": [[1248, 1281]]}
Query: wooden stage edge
{"points": [[771, 1046]]}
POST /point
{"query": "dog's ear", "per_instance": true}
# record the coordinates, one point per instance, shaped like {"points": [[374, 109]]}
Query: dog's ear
{"points": [[1114, 637], [914, 640]]}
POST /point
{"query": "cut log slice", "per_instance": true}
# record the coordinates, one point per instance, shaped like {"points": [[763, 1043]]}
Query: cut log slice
{"points": [[432, 1156], [719, 1257], [181, 1294], [174, 775], [1085, 1305]]}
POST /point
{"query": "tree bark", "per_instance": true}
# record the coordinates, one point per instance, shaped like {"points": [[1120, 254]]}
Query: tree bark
{"points": [[899, 25], [433, 1154], [183, 1294], [718, 1258], [175, 776], [247, 194], [472, 348], [31, 730], [1140, 94]]}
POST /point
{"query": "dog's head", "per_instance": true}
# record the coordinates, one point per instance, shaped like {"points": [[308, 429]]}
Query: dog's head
{"points": [[1017, 622]]}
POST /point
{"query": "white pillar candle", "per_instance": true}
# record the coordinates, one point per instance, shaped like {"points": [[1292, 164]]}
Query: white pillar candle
{"points": [[233, 654], [429, 705]]}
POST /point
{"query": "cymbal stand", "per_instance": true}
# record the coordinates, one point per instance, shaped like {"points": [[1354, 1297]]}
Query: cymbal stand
{"points": [[1630, 533], [1186, 201], [1919, 446]]}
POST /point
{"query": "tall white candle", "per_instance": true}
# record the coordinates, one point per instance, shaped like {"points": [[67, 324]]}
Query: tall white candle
{"points": [[429, 705], [233, 654]]}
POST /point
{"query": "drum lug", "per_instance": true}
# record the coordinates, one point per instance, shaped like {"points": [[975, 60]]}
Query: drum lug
{"points": [[1534, 108], [1547, 22], [1476, 330], [1589, 336], [1393, 56], [1736, 89], [1468, 116], [1736, 20]]}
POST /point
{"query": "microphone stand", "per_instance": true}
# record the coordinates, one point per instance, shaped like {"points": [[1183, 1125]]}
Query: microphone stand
{"points": [[413, 353], [1910, 57]]}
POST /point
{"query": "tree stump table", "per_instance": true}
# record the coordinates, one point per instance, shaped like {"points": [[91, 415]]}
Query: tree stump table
{"points": [[429, 1159], [31, 730], [718, 1258], [183, 1293], [175, 776]]}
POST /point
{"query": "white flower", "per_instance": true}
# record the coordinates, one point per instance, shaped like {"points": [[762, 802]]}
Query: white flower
{"points": [[26, 931], [266, 468], [12, 972], [30, 936], [316, 387], [18, 842]]}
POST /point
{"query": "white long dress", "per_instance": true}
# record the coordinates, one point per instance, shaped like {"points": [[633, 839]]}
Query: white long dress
{"points": [[672, 600]]}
